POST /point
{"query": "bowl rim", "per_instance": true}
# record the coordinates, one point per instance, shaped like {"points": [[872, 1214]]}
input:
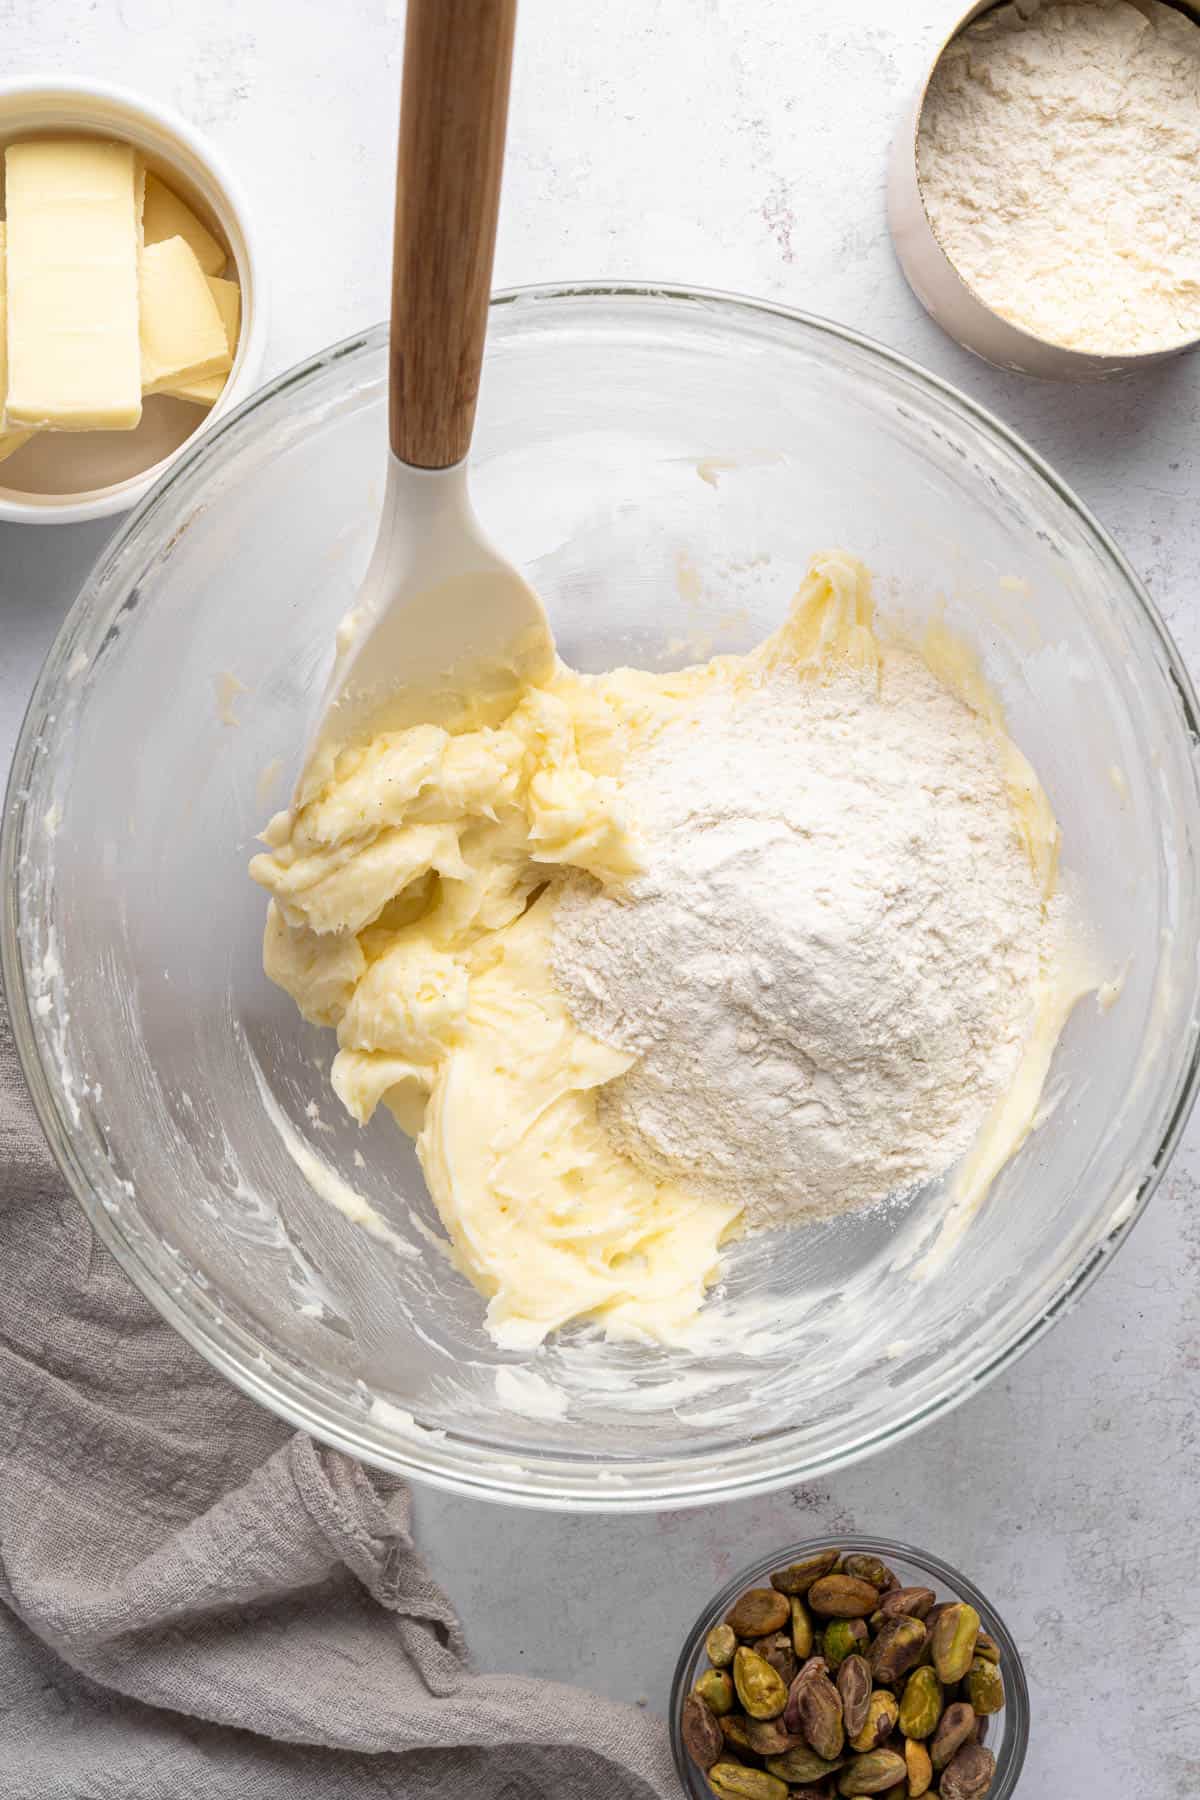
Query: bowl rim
{"points": [[120, 496], [1014, 1743], [397, 1443]]}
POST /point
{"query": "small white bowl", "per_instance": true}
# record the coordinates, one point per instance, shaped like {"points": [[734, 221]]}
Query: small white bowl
{"points": [[61, 477], [942, 291]]}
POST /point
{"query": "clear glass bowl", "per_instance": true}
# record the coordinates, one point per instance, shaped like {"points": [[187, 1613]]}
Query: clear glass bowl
{"points": [[1008, 1730], [661, 464]]}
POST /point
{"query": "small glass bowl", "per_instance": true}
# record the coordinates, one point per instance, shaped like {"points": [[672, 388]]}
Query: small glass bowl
{"points": [[1008, 1730]]}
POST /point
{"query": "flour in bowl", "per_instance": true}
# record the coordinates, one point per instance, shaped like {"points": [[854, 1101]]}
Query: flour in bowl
{"points": [[666, 954], [1059, 161], [829, 968]]}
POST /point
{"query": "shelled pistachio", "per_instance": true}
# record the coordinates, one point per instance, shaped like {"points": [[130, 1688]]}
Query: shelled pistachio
{"points": [[838, 1680]]}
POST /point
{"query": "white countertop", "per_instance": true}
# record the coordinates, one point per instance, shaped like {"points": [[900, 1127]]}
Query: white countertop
{"points": [[741, 144]]}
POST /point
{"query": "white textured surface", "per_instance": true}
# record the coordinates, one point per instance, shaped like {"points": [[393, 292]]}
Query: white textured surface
{"points": [[741, 143]]}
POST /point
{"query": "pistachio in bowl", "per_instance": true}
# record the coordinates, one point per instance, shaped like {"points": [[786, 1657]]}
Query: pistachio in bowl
{"points": [[848, 1668]]}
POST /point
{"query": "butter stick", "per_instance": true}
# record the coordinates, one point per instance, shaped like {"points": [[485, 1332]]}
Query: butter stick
{"points": [[228, 297], [183, 338], [74, 362], [9, 440], [166, 216]]}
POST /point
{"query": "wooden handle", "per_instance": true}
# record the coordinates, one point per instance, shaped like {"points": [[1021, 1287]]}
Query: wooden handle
{"points": [[453, 111]]}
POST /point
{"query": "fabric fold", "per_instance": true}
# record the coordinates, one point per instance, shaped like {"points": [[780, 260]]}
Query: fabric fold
{"points": [[202, 1605]]}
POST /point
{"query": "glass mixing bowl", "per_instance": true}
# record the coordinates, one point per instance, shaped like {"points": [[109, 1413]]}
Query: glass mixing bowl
{"points": [[1007, 1734], [661, 464]]}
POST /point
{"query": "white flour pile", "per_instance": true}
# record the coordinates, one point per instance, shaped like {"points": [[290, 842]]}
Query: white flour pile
{"points": [[1059, 161], [829, 968]]}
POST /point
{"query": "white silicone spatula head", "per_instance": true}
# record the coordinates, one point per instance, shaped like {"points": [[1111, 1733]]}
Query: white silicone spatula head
{"points": [[443, 627]]}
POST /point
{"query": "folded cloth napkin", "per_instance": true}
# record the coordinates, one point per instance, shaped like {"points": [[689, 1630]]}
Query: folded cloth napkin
{"points": [[201, 1604]]}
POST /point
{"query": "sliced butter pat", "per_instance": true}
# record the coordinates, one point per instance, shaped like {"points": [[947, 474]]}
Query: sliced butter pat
{"points": [[9, 440], [183, 338], [228, 297], [73, 224], [166, 216]]}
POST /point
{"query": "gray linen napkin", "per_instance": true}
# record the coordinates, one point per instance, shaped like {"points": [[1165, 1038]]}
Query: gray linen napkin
{"points": [[202, 1604]]}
